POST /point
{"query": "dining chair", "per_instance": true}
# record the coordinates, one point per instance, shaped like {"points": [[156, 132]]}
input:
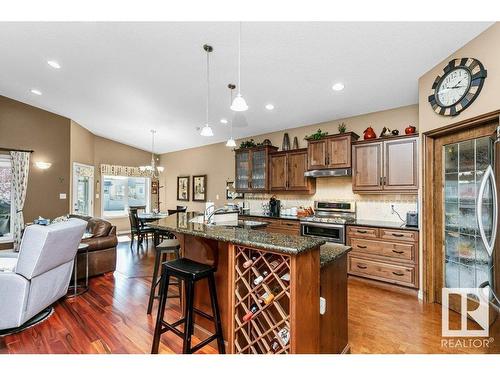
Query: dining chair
{"points": [[137, 229]]}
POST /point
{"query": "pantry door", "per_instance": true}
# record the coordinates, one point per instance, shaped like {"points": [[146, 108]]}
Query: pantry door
{"points": [[461, 160]]}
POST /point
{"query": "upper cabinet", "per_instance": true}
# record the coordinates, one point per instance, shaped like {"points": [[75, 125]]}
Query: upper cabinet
{"points": [[251, 173], [385, 165], [331, 152], [287, 172]]}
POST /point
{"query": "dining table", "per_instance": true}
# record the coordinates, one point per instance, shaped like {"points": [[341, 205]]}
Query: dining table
{"points": [[148, 217]]}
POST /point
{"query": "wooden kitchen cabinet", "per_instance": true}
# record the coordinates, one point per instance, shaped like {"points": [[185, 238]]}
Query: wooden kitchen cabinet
{"points": [[331, 152], [384, 254], [367, 167], [251, 169], [286, 172], [385, 165]]}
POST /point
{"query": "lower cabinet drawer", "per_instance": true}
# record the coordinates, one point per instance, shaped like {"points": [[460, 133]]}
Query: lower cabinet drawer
{"points": [[397, 274], [396, 251]]}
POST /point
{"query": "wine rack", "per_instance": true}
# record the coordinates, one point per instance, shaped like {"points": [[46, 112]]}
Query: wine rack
{"points": [[267, 331]]}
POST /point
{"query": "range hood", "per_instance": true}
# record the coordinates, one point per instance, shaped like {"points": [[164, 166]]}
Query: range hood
{"points": [[329, 172]]}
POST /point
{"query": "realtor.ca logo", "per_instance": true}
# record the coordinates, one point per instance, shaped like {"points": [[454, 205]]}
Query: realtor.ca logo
{"points": [[464, 336]]}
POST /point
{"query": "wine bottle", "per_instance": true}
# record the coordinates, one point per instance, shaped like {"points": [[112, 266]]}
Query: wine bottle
{"points": [[249, 315], [258, 280], [248, 263], [275, 346]]}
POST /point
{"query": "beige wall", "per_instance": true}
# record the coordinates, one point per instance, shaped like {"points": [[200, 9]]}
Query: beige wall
{"points": [[217, 161], [87, 148], [25, 127], [107, 151], [484, 48]]}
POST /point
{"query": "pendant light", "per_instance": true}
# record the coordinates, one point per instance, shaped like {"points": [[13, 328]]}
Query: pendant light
{"points": [[206, 131], [230, 142], [239, 104]]}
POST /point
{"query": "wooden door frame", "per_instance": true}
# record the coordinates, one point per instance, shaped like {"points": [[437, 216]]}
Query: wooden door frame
{"points": [[428, 194]]}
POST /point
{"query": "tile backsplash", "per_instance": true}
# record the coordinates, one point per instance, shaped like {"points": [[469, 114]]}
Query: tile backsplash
{"points": [[368, 206]]}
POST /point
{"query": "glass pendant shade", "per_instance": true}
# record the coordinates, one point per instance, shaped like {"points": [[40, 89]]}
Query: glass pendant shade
{"points": [[239, 104], [206, 131], [230, 143]]}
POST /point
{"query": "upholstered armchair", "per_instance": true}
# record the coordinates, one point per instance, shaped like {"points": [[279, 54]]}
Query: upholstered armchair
{"points": [[42, 272]]}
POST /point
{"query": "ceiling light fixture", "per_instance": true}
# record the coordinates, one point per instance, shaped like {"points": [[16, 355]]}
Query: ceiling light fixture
{"points": [[36, 92], [239, 104], [230, 142], [153, 169], [54, 64], [339, 86], [269, 107], [223, 121], [206, 131]]}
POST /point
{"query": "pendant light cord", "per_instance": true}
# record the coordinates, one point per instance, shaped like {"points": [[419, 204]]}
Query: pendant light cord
{"points": [[208, 83], [239, 61], [230, 101]]}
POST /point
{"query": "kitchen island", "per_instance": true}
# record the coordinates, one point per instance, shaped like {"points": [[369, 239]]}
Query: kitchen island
{"points": [[276, 274]]}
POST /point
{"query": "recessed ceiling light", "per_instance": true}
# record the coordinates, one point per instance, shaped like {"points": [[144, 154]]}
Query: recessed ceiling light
{"points": [[54, 64], [339, 86], [223, 121], [36, 92], [269, 107]]}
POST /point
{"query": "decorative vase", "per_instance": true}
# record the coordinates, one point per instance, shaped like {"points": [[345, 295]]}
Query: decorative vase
{"points": [[410, 129], [286, 142], [295, 143], [369, 133]]}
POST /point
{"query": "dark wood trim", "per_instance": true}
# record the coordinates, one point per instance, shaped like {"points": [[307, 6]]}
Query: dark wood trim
{"points": [[15, 149], [204, 188], [464, 124]]}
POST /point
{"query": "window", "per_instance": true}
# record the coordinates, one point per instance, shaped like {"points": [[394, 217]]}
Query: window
{"points": [[119, 193], [6, 206]]}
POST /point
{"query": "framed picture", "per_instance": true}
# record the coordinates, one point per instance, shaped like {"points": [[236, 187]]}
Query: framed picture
{"points": [[200, 188], [183, 188], [231, 192]]}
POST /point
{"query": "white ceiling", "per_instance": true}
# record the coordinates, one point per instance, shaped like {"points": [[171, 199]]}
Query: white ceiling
{"points": [[120, 80]]}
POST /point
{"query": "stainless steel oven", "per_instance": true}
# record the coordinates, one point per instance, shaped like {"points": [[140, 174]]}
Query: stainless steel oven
{"points": [[328, 232]]}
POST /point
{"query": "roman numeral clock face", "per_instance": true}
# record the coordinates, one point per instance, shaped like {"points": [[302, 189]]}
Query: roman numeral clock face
{"points": [[458, 86]]}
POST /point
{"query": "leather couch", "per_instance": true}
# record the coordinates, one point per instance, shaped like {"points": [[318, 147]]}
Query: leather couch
{"points": [[102, 247]]}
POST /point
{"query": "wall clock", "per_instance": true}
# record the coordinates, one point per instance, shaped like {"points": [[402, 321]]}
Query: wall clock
{"points": [[458, 87]]}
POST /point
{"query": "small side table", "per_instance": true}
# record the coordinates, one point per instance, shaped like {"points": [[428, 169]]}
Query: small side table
{"points": [[76, 289]]}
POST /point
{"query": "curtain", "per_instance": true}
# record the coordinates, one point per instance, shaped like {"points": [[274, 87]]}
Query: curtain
{"points": [[122, 170], [20, 171]]}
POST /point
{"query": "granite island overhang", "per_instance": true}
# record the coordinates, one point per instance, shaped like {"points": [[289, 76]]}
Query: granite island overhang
{"points": [[275, 275]]}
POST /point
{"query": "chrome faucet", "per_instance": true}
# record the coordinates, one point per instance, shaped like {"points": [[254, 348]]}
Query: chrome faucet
{"points": [[211, 215]]}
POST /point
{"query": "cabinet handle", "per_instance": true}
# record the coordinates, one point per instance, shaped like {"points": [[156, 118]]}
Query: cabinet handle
{"points": [[361, 246], [360, 266], [361, 231], [397, 252], [385, 180], [381, 180], [398, 234], [398, 273]]}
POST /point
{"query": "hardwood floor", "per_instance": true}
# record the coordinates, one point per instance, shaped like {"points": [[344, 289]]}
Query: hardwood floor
{"points": [[111, 318]]}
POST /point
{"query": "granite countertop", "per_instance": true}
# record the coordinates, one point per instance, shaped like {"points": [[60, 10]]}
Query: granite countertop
{"points": [[260, 214], [283, 243], [382, 224], [329, 252]]}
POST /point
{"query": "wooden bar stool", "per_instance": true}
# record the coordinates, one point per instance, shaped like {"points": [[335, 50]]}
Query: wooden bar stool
{"points": [[190, 272], [166, 247]]}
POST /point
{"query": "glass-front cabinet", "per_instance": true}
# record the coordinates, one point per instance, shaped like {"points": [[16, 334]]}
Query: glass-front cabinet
{"points": [[251, 173], [468, 213]]}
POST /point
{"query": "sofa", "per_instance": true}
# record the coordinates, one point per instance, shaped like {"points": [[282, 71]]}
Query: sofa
{"points": [[102, 247]]}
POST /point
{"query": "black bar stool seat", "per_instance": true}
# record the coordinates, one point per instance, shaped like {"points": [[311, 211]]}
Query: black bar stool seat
{"points": [[190, 272], [166, 247], [186, 268]]}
